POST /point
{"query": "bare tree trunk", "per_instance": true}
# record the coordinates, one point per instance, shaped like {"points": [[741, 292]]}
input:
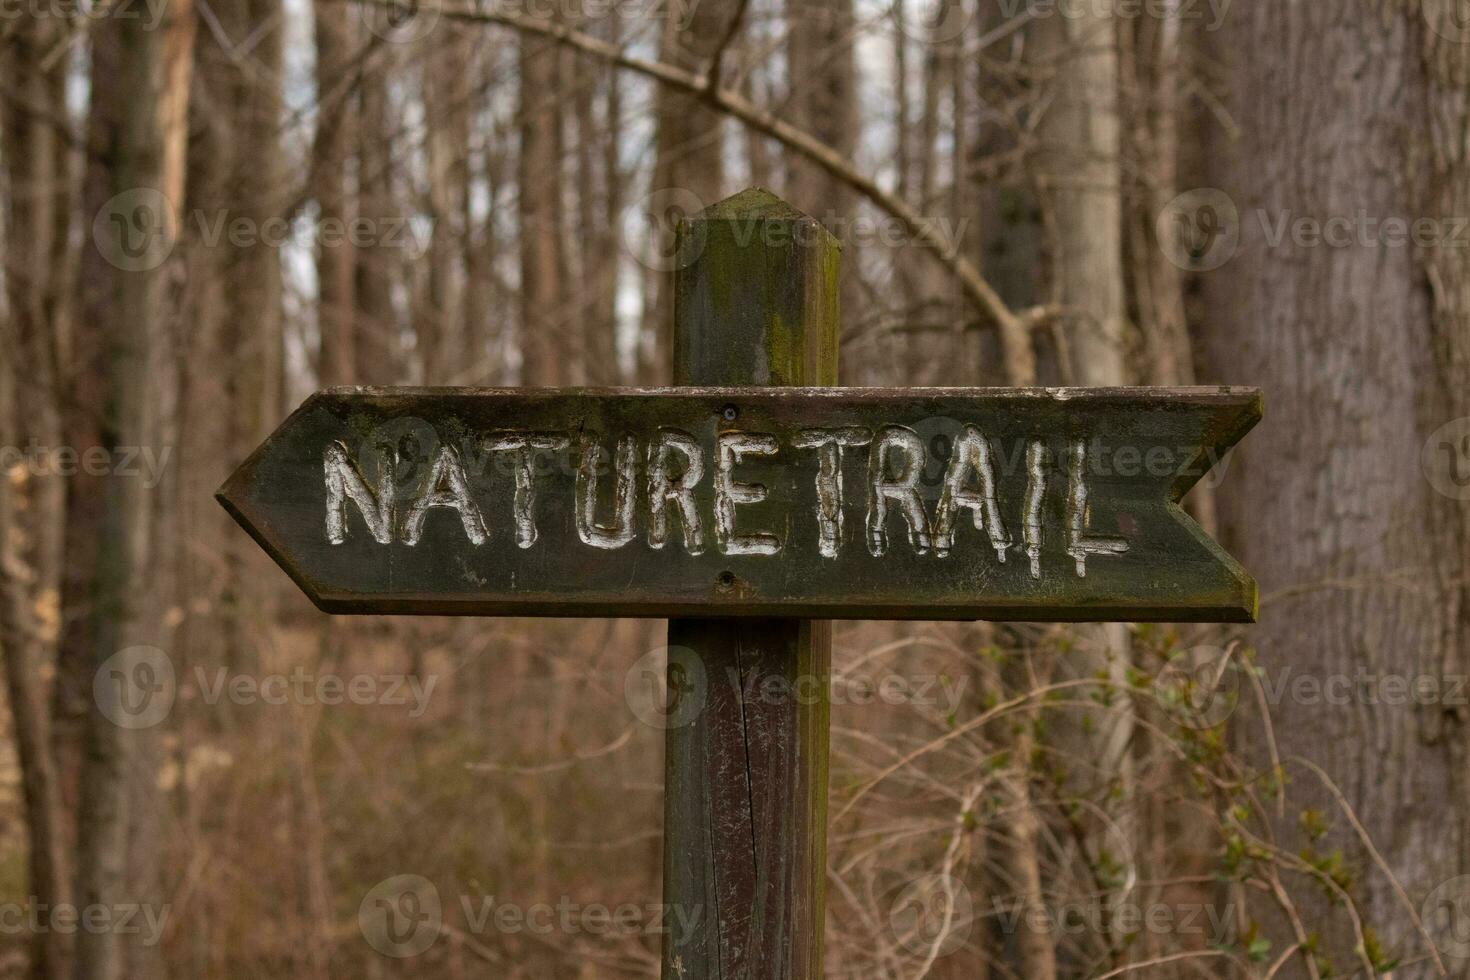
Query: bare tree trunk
{"points": [[146, 806], [1350, 508], [911, 348], [598, 205], [38, 164], [335, 258], [822, 73], [439, 319], [376, 339], [261, 194], [543, 357], [1036, 952], [74, 708], [929, 350], [21, 639], [37, 159], [968, 239], [690, 166], [245, 187], [26, 649], [1078, 167], [127, 112], [1008, 240], [1152, 68], [823, 99], [316, 886], [613, 198], [483, 328], [1150, 63]]}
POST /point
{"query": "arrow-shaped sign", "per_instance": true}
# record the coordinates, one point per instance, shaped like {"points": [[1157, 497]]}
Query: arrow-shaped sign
{"points": [[935, 503]]}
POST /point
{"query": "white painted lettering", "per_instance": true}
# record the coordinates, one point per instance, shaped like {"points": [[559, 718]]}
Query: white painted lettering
{"points": [[829, 444], [621, 531], [731, 450], [971, 455], [446, 487], [1079, 543], [525, 445], [903, 447], [345, 483], [664, 489], [1035, 495]]}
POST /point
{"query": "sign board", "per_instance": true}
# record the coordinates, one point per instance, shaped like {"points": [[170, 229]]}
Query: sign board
{"points": [[930, 503]]}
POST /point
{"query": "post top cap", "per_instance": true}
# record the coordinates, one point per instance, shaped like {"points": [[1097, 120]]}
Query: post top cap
{"points": [[755, 203]]}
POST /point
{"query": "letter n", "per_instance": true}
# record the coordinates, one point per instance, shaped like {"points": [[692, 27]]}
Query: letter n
{"points": [[345, 483]]}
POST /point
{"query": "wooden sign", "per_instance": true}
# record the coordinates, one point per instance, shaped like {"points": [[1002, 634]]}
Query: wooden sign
{"points": [[1044, 504], [783, 504]]}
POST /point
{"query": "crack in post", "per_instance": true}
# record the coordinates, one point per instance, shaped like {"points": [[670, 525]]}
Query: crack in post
{"points": [[749, 780]]}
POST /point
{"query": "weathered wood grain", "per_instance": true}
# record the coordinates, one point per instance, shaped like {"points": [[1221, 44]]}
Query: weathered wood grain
{"points": [[745, 835]]}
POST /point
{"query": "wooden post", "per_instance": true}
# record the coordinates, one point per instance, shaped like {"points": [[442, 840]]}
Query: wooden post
{"points": [[745, 835]]}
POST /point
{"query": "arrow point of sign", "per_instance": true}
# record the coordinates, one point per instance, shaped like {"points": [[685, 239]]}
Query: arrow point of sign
{"points": [[229, 499], [235, 496]]}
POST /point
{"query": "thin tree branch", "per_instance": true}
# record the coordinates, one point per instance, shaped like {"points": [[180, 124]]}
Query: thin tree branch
{"points": [[1377, 856], [1015, 336], [717, 60], [1162, 960]]}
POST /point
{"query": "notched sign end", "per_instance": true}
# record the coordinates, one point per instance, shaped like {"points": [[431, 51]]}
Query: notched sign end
{"points": [[1238, 411]]}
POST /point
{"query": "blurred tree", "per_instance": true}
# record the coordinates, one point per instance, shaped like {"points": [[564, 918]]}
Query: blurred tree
{"points": [[338, 72], [37, 329], [1348, 116], [546, 357], [133, 122], [689, 163]]}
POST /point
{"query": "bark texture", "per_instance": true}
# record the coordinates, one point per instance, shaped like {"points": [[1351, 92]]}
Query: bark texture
{"points": [[1349, 110]]}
